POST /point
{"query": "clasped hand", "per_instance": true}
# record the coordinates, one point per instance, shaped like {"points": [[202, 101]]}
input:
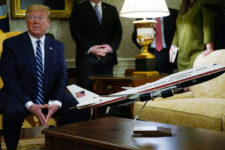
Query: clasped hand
{"points": [[101, 50], [37, 111]]}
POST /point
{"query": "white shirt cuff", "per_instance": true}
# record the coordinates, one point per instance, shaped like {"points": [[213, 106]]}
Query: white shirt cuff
{"points": [[55, 102], [28, 104], [51, 102]]}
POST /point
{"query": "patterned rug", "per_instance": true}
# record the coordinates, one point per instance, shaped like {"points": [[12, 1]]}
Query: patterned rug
{"points": [[29, 144]]}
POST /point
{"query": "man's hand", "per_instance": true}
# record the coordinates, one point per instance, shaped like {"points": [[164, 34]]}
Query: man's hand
{"points": [[37, 111], [101, 50], [107, 48], [97, 51], [51, 110]]}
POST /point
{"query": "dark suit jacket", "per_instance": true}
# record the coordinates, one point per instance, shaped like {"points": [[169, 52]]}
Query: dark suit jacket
{"points": [[87, 31], [162, 57], [55, 4], [18, 69], [219, 31]]}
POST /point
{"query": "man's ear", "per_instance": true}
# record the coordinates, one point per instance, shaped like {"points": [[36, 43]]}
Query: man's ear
{"points": [[48, 23]]}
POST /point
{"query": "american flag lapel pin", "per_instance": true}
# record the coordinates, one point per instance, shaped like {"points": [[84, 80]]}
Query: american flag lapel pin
{"points": [[51, 48]]}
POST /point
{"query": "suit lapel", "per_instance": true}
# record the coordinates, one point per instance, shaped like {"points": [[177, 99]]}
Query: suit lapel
{"points": [[104, 10], [92, 12], [48, 59], [30, 54]]}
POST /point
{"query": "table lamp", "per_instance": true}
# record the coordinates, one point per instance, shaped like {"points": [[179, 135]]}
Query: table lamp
{"points": [[145, 61]]}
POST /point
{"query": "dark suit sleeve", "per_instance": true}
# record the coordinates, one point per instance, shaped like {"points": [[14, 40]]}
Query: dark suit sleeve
{"points": [[9, 74], [76, 29], [117, 31], [61, 76], [134, 38], [170, 26]]}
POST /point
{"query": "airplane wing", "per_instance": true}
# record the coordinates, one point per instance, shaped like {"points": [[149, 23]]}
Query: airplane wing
{"points": [[178, 80]]}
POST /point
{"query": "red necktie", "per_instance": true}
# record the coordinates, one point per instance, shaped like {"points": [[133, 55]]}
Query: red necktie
{"points": [[158, 36]]}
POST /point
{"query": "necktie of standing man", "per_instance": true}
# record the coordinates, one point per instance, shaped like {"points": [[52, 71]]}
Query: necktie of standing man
{"points": [[98, 14], [40, 74], [158, 35]]}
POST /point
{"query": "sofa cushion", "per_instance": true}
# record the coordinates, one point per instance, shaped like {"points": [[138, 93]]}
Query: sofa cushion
{"points": [[214, 88], [195, 112]]}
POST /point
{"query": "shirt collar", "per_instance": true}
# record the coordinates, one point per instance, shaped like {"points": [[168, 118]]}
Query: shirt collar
{"points": [[33, 39], [99, 4]]}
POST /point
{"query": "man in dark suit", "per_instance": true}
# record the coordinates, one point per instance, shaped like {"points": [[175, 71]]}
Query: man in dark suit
{"points": [[55, 4], [162, 57], [33, 69], [96, 29], [219, 9]]}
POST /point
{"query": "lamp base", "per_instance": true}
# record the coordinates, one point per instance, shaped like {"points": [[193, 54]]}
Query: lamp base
{"points": [[151, 131], [145, 64], [145, 55], [145, 67]]}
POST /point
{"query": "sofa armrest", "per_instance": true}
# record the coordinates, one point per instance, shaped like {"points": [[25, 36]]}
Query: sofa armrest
{"points": [[177, 96]]}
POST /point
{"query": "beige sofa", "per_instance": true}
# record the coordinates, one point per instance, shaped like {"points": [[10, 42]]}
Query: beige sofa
{"points": [[202, 107]]}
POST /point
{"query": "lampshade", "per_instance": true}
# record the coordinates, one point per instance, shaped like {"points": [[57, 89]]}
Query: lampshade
{"points": [[144, 9]]}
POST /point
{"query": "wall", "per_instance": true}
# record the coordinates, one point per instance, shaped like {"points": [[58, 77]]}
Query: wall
{"points": [[60, 28]]}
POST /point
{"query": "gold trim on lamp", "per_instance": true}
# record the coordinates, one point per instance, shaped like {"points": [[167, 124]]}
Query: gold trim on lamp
{"points": [[145, 36]]}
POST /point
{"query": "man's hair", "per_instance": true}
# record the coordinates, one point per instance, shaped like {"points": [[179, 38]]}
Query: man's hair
{"points": [[38, 7]]}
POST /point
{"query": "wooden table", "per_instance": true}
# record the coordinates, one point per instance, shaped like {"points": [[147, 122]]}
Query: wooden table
{"points": [[104, 85], [112, 133]]}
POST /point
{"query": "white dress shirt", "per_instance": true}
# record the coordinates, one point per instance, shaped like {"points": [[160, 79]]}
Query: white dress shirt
{"points": [[34, 44], [153, 45], [99, 7]]}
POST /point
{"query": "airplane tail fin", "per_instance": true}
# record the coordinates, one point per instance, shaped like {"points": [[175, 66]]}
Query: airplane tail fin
{"points": [[82, 95]]}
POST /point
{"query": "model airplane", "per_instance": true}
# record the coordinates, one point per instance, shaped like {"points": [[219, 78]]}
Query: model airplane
{"points": [[164, 87]]}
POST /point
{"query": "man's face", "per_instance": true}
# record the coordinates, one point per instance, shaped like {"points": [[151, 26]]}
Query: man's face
{"points": [[95, 1], [37, 23]]}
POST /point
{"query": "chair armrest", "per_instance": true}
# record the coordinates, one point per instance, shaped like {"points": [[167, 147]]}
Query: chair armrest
{"points": [[1, 83], [32, 121]]}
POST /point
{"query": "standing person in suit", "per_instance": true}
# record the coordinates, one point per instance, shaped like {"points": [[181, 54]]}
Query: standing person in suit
{"points": [[95, 27], [33, 69], [219, 9], [220, 24], [55, 4], [194, 32], [168, 25]]}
